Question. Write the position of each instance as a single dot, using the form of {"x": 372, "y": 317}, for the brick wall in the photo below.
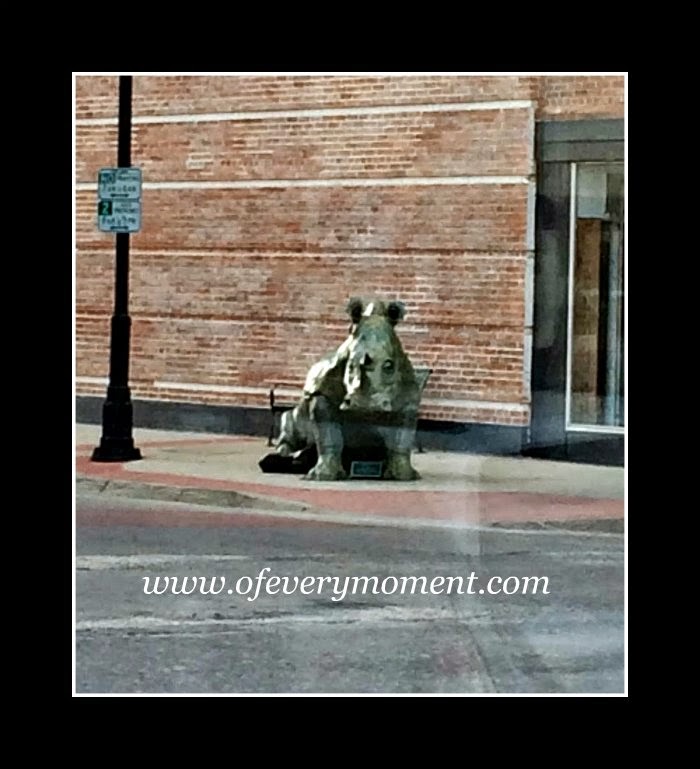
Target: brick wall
{"x": 270, "y": 200}
{"x": 572, "y": 98}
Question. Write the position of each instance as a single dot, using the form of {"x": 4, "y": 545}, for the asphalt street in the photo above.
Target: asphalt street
{"x": 570, "y": 640}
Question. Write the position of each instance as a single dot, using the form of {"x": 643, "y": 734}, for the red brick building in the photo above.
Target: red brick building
{"x": 491, "y": 206}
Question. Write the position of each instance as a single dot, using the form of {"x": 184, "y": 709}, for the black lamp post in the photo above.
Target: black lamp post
{"x": 117, "y": 443}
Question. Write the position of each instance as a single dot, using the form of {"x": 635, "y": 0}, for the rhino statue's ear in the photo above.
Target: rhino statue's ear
{"x": 395, "y": 311}
{"x": 354, "y": 309}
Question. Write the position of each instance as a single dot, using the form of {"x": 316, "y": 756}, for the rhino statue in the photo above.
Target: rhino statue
{"x": 367, "y": 387}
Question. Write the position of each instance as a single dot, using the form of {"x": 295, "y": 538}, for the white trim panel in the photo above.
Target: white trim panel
{"x": 259, "y": 184}
{"x": 529, "y": 290}
{"x": 531, "y": 135}
{"x": 570, "y": 301}
{"x": 608, "y": 429}
{"x": 241, "y": 390}
{"x": 194, "y": 387}
{"x": 398, "y": 109}
{"x": 490, "y": 256}
{"x": 512, "y": 408}
{"x": 94, "y": 380}
{"x": 531, "y": 214}
{"x": 527, "y": 364}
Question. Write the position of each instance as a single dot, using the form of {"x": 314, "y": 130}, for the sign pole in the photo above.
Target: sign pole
{"x": 117, "y": 443}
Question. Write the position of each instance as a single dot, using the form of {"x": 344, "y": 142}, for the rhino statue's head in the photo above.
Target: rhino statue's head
{"x": 378, "y": 375}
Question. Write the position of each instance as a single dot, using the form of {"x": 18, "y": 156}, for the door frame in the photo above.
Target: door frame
{"x": 558, "y": 144}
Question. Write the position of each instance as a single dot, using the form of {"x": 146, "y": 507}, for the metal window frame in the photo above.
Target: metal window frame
{"x": 558, "y": 144}
{"x": 569, "y": 426}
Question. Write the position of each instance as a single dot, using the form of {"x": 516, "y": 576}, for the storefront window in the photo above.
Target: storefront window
{"x": 595, "y": 392}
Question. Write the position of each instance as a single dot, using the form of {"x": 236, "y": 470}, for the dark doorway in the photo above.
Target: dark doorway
{"x": 578, "y": 382}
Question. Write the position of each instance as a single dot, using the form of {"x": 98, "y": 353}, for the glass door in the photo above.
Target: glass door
{"x": 595, "y": 387}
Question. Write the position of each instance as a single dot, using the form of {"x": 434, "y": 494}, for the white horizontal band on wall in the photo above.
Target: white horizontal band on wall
{"x": 95, "y": 380}
{"x": 260, "y": 184}
{"x": 108, "y": 251}
{"x": 194, "y": 387}
{"x": 240, "y": 390}
{"x": 398, "y": 109}
{"x": 514, "y": 408}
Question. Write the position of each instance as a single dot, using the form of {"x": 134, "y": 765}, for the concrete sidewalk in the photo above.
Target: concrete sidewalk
{"x": 456, "y": 490}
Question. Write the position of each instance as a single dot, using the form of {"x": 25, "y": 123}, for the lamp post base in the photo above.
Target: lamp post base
{"x": 116, "y": 443}
{"x": 116, "y": 450}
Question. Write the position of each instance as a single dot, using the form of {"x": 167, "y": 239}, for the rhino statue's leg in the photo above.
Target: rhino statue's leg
{"x": 295, "y": 430}
{"x": 399, "y": 441}
{"x": 328, "y": 436}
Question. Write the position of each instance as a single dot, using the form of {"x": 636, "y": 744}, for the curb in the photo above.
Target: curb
{"x": 596, "y": 525}
{"x": 236, "y": 500}
{"x": 190, "y": 495}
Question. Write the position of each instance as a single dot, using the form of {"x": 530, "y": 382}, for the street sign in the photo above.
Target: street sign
{"x": 119, "y": 184}
{"x": 119, "y": 204}
{"x": 119, "y": 215}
